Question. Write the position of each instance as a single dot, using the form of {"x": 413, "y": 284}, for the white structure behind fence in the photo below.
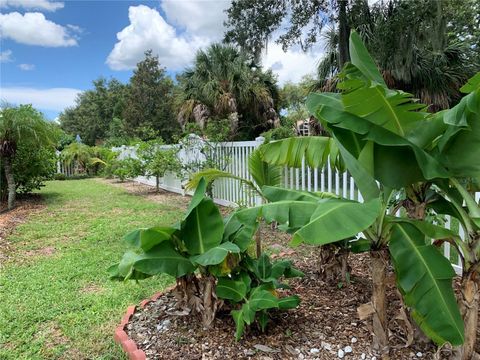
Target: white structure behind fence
{"x": 233, "y": 157}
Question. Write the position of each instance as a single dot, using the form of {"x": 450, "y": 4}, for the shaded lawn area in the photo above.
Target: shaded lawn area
{"x": 56, "y": 301}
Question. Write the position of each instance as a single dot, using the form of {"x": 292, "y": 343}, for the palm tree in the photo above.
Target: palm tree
{"x": 411, "y": 45}
{"x": 224, "y": 84}
{"x": 20, "y": 125}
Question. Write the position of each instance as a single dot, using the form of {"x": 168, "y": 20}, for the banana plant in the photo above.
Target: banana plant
{"x": 458, "y": 149}
{"x": 383, "y": 138}
{"x": 253, "y": 290}
{"x": 208, "y": 257}
{"x": 195, "y": 244}
{"x": 261, "y": 172}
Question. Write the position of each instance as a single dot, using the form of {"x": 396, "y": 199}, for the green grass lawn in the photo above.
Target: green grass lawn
{"x": 56, "y": 301}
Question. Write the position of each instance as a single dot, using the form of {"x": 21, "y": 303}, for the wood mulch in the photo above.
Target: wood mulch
{"x": 325, "y": 326}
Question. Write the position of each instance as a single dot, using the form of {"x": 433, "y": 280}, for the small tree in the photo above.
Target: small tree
{"x": 22, "y": 125}
{"x": 158, "y": 160}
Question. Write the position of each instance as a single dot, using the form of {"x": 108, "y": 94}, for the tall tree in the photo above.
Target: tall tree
{"x": 94, "y": 111}
{"x": 223, "y": 85}
{"x": 149, "y": 105}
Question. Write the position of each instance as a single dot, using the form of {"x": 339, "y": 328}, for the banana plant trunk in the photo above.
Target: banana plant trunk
{"x": 7, "y": 165}
{"x": 469, "y": 306}
{"x": 334, "y": 264}
{"x": 378, "y": 270}
{"x": 210, "y": 301}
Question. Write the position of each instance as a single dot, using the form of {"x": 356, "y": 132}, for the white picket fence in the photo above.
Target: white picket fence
{"x": 233, "y": 157}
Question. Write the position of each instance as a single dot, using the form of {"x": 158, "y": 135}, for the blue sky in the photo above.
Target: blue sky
{"x": 50, "y": 50}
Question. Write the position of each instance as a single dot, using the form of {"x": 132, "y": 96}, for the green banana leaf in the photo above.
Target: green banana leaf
{"x": 274, "y": 194}
{"x": 203, "y": 228}
{"x": 146, "y": 238}
{"x": 424, "y": 276}
{"x": 241, "y": 232}
{"x": 292, "y": 151}
{"x": 262, "y": 172}
{"x": 335, "y": 220}
{"x": 215, "y": 255}
{"x": 161, "y": 259}
{"x": 360, "y": 57}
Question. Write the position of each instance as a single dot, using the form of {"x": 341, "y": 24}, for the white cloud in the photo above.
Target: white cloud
{"x": 54, "y": 99}
{"x": 26, "y": 67}
{"x": 33, "y": 4}
{"x": 200, "y": 17}
{"x": 189, "y": 25}
{"x": 291, "y": 65}
{"x": 35, "y": 29}
{"x": 149, "y": 30}
{"x": 6, "y": 56}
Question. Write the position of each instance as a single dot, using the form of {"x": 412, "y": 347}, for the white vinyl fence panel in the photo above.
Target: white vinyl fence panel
{"x": 233, "y": 157}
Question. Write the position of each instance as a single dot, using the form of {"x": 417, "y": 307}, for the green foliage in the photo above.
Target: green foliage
{"x": 198, "y": 244}
{"x": 94, "y": 111}
{"x": 32, "y": 168}
{"x": 223, "y": 84}
{"x": 128, "y": 168}
{"x": 158, "y": 160}
{"x": 148, "y": 111}
{"x": 282, "y": 132}
{"x": 253, "y": 290}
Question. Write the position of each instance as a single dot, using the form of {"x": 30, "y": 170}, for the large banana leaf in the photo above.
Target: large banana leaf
{"x": 162, "y": 258}
{"x": 241, "y": 232}
{"x": 361, "y": 58}
{"x": 424, "y": 276}
{"x": 273, "y": 194}
{"x": 397, "y": 162}
{"x": 262, "y": 172}
{"x": 203, "y": 228}
{"x": 337, "y": 220}
{"x": 215, "y": 255}
{"x": 292, "y": 151}
{"x": 146, "y": 238}
{"x": 324, "y": 222}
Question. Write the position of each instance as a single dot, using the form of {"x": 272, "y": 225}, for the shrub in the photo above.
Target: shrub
{"x": 201, "y": 244}
{"x": 59, "y": 176}
{"x": 128, "y": 168}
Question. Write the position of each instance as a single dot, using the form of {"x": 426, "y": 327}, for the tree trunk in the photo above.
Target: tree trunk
{"x": 210, "y": 302}
{"x": 378, "y": 270}
{"x": 334, "y": 264}
{"x": 12, "y": 191}
{"x": 343, "y": 35}
{"x": 469, "y": 305}
{"x": 157, "y": 183}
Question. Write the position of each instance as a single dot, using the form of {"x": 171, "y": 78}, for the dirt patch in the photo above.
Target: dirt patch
{"x": 47, "y": 251}
{"x": 91, "y": 289}
{"x": 149, "y": 192}
{"x": 26, "y": 205}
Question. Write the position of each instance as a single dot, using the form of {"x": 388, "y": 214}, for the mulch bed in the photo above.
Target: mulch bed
{"x": 324, "y": 326}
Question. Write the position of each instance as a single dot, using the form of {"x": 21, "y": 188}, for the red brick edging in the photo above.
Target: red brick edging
{"x": 121, "y": 337}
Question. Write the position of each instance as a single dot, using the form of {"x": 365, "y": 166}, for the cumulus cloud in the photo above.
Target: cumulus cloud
{"x": 45, "y": 5}
{"x": 6, "y": 56}
{"x": 291, "y": 65}
{"x": 26, "y": 67}
{"x": 189, "y": 25}
{"x": 149, "y": 30}
{"x": 35, "y": 29}
{"x": 54, "y": 99}
{"x": 200, "y": 17}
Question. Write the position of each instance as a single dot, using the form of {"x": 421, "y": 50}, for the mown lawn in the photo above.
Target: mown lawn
{"x": 56, "y": 301}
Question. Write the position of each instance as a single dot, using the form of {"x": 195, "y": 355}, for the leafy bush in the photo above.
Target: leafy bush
{"x": 202, "y": 244}
{"x": 279, "y": 133}
{"x": 32, "y": 168}
{"x": 157, "y": 160}
{"x": 59, "y": 176}
{"x": 128, "y": 168}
